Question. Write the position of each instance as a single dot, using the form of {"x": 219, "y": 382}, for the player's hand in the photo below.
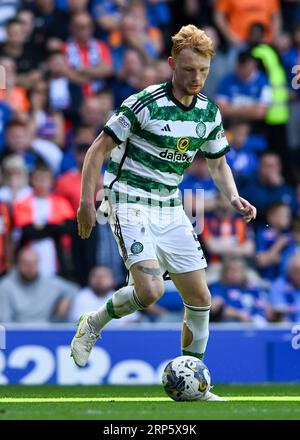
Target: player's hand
{"x": 242, "y": 206}
{"x": 86, "y": 219}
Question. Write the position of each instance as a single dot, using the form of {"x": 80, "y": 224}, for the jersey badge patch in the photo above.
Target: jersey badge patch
{"x": 123, "y": 121}
{"x": 137, "y": 247}
{"x": 183, "y": 144}
{"x": 201, "y": 129}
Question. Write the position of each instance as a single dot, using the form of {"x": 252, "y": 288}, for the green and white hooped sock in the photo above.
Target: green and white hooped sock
{"x": 197, "y": 321}
{"x": 123, "y": 302}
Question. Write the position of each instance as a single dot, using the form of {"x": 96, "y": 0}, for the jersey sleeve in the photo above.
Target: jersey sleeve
{"x": 126, "y": 120}
{"x": 216, "y": 144}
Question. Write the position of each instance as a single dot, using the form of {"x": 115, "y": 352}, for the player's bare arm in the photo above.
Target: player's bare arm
{"x": 223, "y": 178}
{"x": 86, "y": 214}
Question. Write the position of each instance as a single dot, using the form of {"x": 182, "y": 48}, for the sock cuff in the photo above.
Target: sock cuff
{"x": 190, "y": 353}
{"x": 110, "y": 310}
{"x": 197, "y": 309}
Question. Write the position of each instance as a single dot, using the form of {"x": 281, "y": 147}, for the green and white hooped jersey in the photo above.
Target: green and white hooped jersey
{"x": 157, "y": 138}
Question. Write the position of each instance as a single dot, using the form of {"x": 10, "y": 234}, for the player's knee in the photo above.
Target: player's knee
{"x": 206, "y": 297}
{"x": 201, "y": 298}
{"x": 151, "y": 293}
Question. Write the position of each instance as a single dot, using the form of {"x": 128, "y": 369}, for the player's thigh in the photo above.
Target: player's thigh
{"x": 148, "y": 281}
{"x": 134, "y": 241}
{"x": 193, "y": 287}
{"x": 135, "y": 244}
{"x": 182, "y": 256}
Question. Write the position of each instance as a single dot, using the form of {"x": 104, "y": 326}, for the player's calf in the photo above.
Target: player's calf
{"x": 195, "y": 330}
{"x": 123, "y": 302}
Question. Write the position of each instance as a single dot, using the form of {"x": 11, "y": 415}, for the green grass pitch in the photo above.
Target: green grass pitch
{"x": 146, "y": 402}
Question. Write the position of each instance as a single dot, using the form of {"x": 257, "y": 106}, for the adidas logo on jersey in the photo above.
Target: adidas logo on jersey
{"x": 166, "y": 128}
{"x": 174, "y": 156}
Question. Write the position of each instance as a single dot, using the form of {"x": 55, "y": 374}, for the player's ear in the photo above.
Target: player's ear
{"x": 171, "y": 62}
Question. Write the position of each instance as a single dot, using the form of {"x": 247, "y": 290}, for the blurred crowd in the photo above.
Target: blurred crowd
{"x": 65, "y": 65}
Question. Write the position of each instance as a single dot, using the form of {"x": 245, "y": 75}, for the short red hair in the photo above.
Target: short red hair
{"x": 193, "y": 38}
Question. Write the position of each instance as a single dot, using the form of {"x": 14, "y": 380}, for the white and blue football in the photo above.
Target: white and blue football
{"x": 186, "y": 378}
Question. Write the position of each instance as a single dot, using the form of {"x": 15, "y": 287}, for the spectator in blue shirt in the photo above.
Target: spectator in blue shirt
{"x": 158, "y": 12}
{"x": 72, "y": 6}
{"x": 196, "y": 178}
{"x": 292, "y": 248}
{"x": 298, "y": 199}
{"x": 246, "y": 93}
{"x": 234, "y": 298}
{"x": 108, "y": 13}
{"x": 134, "y": 33}
{"x": 290, "y": 61}
{"x": 20, "y": 140}
{"x": 271, "y": 240}
{"x": 220, "y": 64}
{"x": 291, "y": 57}
{"x": 127, "y": 81}
{"x": 285, "y": 293}
{"x": 6, "y": 115}
{"x": 80, "y": 134}
{"x": 269, "y": 187}
{"x": 8, "y": 10}
{"x": 240, "y": 158}
{"x": 50, "y": 22}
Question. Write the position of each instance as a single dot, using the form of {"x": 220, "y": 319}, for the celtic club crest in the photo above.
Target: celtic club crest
{"x": 137, "y": 247}
{"x": 201, "y": 129}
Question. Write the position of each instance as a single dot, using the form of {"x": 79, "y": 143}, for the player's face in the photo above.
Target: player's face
{"x": 190, "y": 71}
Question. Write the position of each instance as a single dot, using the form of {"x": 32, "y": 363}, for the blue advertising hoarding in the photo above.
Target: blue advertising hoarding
{"x": 41, "y": 355}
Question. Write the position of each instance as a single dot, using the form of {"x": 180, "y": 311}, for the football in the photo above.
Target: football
{"x": 186, "y": 378}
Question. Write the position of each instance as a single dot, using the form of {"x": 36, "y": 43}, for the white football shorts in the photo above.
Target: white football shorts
{"x": 164, "y": 234}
